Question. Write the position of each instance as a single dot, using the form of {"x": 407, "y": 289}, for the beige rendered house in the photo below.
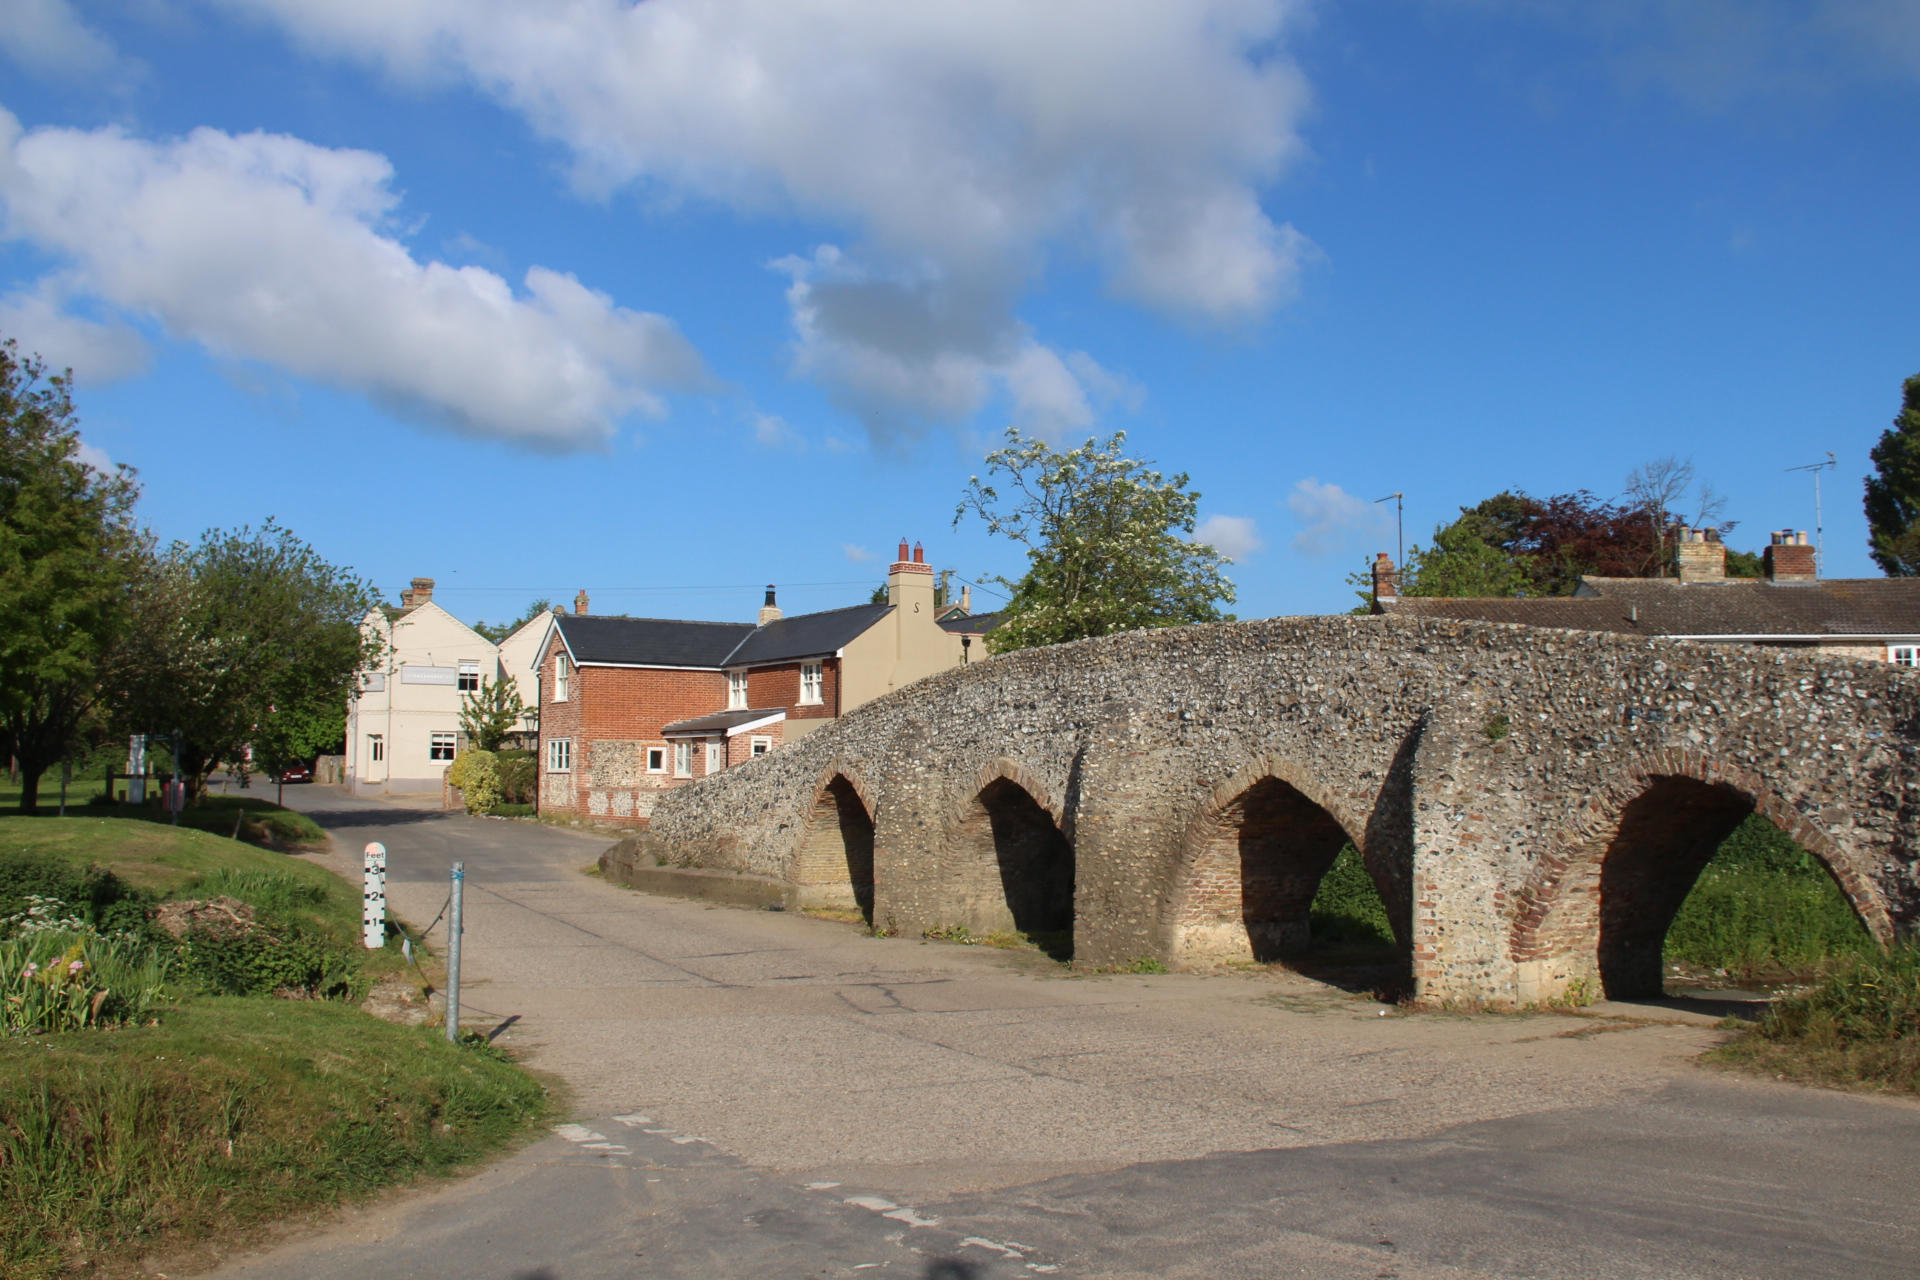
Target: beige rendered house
{"x": 403, "y": 725}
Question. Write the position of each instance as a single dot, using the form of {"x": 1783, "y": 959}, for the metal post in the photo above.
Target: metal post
{"x": 1399, "y": 526}
{"x": 453, "y": 952}
{"x": 373, "y": 909}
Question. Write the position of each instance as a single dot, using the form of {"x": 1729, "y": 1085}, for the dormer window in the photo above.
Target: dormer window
{"x": 736, "y": 691}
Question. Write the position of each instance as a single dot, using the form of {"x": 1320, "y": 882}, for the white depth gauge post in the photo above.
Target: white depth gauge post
{"x": 373, "y": 918}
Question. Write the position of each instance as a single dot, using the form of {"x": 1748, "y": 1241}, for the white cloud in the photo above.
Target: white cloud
{"x": 263, "y": 247}
{"x": 859, "y": 555}
{"x": 92, "y": 455}
{"x": 772, "y": 432}
{"x": 900, "y": 353}
{"x": 1235, "y": 537}
{"x": 48, "y": 37}
{"x": 1333, "y": 518}
{"x": 960, "y": 141}
{"x": 96, "y": 351}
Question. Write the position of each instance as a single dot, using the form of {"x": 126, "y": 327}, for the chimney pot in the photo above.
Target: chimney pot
{"x": 919, "y": 556}
{"x": 580, "y": 603}
{"x": 770, "y": 612}
{"x": 903, "y": 551}
{"x": 966, "y": 600}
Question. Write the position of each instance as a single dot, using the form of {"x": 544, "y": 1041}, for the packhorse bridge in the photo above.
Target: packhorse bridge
{"x": 1533, "y": 806}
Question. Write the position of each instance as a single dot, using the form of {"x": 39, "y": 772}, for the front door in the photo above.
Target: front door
{"x": 716, "y": 755}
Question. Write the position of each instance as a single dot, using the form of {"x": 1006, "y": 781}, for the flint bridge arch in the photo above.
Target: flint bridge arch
{"x": 1532, "y": 805}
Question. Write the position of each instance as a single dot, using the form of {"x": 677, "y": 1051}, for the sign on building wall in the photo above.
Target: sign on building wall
{"x": 430, "y": 675}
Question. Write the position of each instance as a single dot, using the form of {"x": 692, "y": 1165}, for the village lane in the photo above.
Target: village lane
{"x": 767, "y": 1094}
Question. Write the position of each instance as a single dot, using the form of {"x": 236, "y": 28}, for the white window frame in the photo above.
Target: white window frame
{"x": 559, "y": 755}
{"x": 759, "y": 745}
{"x": 562, "y": 677}
{"x": 736, "y": 690}
{"x": 813, "y": 683}
{"x": 656, "y": 759}
{"x": 376, "y": 748}
{"x": 1904, "y": 655}
{"x": 716, "y": 755}
{"x": 438, "y": 741}
{"x": 683, "y": 759}
{"x": 469, "y": 677}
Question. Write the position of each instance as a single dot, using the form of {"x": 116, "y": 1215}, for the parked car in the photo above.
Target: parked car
{"x": 298, "y": 773}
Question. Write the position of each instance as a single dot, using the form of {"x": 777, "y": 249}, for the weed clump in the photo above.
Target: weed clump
{"x": 1858, "y": 1024}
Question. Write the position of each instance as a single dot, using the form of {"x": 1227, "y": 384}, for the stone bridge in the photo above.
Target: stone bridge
{"x": 1532, "y": 805}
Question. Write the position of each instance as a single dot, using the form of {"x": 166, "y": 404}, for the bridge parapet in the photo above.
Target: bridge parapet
{"x": 1529, "y": 802}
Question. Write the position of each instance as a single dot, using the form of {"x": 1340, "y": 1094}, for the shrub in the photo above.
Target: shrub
{"x": 258, "y": 963}
{"x": 518, "y": 776}
{"x": 1858, "y": 1024}
{"x": 477, "y": 775}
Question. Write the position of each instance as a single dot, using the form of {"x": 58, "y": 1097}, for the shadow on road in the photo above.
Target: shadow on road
{"x": 374, "y": 817}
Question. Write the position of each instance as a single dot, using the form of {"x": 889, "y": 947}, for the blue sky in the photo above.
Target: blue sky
{"x": 668, "y": 301}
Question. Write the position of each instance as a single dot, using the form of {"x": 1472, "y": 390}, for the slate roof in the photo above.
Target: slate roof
{"x": 719, "y": 721}
{"x": 650, "y": 642}
{"x": 1835, "y": 607}
{"x": 976, "y": 624}
{"x": 808, "y": 635}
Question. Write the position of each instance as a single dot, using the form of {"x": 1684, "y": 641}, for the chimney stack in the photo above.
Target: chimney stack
{"x": 966, "y": 599}
{"x": 421, "y": 592}
{"x": 770, "y": 612}
{"x": 1702, "y": 557}
{"x": 910, "y": 582}
{"x": 580, "y": 604}
{"x": 1790, "y": 558}
{"x": 1386, "y": 580}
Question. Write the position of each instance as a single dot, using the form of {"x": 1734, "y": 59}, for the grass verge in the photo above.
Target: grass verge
{"x": 1857, "y": 1026}
{"x": 230, "y": 1113}
{"x": 213, "y": 1107}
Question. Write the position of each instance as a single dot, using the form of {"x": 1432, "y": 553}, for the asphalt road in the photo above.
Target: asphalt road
{"x": 763, "y": 1095}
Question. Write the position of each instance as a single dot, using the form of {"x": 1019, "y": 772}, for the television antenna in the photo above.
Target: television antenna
{"x": 1819, "y": 531}
{"x": 1399, "y": 524}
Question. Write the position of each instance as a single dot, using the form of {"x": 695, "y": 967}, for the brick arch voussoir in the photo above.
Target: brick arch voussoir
{"x": 838, "y": 769}
{"x": 963, "y": 805}
{"x": 1580, "y": 842}
{"x": 1204, "y": 825}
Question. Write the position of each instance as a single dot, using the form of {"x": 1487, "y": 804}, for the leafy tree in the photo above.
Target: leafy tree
{"x": 68, "y": 550}
{"x": 294, "y": 734}
{"x": 226, "y": 631}
{"x": 1893, "y": 490}
{"x": 882, "y": 594}
{"x": 498, "y": 631}
{"x": 1103, "y": 539}
{"x": 492, "y": 712}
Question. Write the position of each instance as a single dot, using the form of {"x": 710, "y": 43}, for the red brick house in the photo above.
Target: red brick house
{"x": 631, "y": 706}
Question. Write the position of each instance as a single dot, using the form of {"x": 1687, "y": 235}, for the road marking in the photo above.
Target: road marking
{"x": 683, "y": 1141}
{"x": 874, "y": 1203}
{"x": 821, "y": 1186}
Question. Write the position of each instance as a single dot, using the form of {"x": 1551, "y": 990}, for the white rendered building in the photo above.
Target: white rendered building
{"x": 403, "y": 726}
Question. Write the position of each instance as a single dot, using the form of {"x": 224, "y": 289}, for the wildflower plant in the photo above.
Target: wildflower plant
{"x": 70, "y": 981}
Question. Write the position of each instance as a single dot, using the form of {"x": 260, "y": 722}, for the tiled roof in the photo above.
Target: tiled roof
{"x": 808, "y": 635}
{"x": 975, "y": 624}
{"x": 651, "y": 642}
{"x": 719, "y": 721}
{"x": 1835, "y": 607}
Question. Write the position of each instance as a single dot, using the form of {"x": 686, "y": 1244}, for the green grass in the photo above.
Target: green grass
{"x": 230, "y": 1113}
{"x": 228, "y": 1110}
{"x": 1347, "y": 913}
{"x": 1764, "y": 907}
{"x": 161, "y": 859}
{"x": 1858, "y": 1025}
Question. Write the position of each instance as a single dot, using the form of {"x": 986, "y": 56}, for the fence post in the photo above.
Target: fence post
{"x": 373, "y": 910}
{"x": 453, "y": 952}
